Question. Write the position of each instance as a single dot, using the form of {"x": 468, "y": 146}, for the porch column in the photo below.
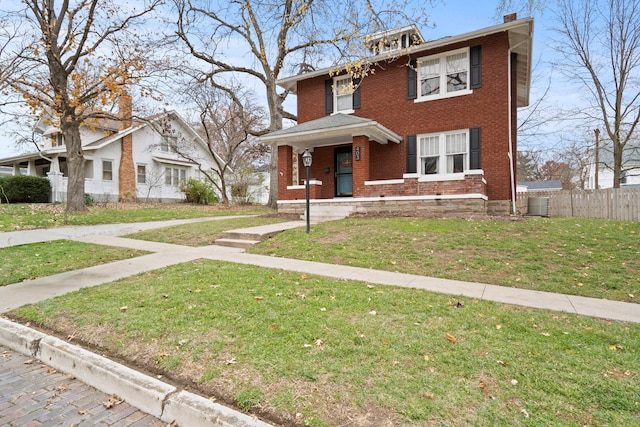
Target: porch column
{"x": 31, "y": 168}
{"x": 285, "y": 170}
{"x": 361, "y": 154}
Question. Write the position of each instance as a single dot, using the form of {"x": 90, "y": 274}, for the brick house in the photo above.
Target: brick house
{"x": 433, "y": 128}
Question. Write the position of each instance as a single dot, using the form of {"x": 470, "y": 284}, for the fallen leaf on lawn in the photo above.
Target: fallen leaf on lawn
{"x": 451, "y": 338}
{"x": 307, "y": 345}
{"x": 373, "y": 312}
{"x": 258, "y": 299}
{"x": 503, "y": 363}
{"x": 231, "y": 361}
{"x": 514, "y": 382}
{"x": 319, "y": 342}
{"x": 323, "y": 309}
{"x": 524, "y": 411}
{"x": 124, "y": 308}
{"x": 426, "y": 357}
{"x": 498, "y": 326}
{"x": 303, "y": 276}
{"x": 546, "y": 334}
{"x": 370, "y": 286}
{"x": 393, "y": 263}
{"x": 197, "y": 291}
{"x": 212, "y": 398}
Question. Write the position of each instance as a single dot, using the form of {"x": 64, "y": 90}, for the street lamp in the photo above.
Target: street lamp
{"x": 306, "y": 161}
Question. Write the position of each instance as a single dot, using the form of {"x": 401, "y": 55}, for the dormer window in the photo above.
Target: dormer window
{"x": 57, "y": 140}
{"x": 168, "y": 144}
{"x": 392, "y": 40}
{"x": 343, "y": 94}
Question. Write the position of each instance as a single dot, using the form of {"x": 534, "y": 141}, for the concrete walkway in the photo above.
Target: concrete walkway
{"x": 166, "y": 402}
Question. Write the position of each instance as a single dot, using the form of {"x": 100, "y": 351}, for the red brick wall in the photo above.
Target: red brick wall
{"x": 383, "y": 97}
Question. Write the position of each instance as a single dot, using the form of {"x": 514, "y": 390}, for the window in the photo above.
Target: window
{"x": 107, "y": 170}
{"x": 168, "y": 144}
{"x": 343, "y": 94}
{"x": 57, "y": 140}
{"x": 443, "y": 75}
{"x": 443, "y": 153}
{"x": 141, "y": 174}
{"x": 174, "y": 176}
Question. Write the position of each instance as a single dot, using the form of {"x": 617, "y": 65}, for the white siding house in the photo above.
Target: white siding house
{"x": 153, "y": 173}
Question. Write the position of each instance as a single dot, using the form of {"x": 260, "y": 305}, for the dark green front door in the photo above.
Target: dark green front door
{"x": 344, "y": 172}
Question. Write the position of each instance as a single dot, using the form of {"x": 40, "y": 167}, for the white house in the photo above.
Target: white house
{"x": 124, "y": 160}
{"x": 630, "y": 176}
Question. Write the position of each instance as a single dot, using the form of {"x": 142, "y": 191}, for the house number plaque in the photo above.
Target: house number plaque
{"x": 357, "y": 153}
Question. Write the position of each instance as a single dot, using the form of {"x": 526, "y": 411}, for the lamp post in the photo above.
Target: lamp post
{"x": 306, "y": 161}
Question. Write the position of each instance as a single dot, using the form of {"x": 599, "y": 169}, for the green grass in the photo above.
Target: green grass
{"x": 201, "y": 233}
{"x": 336, "y": 352}
{"x": 594, "y": 258}
{"x": 26, "y": 262}
{"x": 25, "y": 216}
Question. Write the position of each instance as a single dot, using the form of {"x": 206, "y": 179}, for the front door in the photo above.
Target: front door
{"x": 344, "y": 172}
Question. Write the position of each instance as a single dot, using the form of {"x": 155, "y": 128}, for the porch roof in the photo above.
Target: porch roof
{"x": 331, "y": 130}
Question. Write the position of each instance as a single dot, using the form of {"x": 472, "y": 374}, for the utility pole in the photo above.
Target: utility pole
{"x": 597, "y": 132}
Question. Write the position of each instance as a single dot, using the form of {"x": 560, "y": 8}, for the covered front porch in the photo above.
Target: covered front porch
{"x": 351, "y": 167}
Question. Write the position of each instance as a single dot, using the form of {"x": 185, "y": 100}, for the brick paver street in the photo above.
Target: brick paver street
{"x": 32, "y": 394}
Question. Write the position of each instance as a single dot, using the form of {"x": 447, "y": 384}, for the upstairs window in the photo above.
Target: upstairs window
{"x": 443, "y": 75}
{"x": 168, "y": 144}
{"x": 342, "y": 95}
{"x": 141, "y": 173}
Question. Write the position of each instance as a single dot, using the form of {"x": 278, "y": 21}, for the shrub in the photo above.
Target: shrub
{"x": 198, "y": 192}
{"x": 25, "y": 189}
{"x": 88, "y": 199}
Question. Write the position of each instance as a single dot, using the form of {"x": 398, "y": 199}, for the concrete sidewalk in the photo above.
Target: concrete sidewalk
{"x": 168, "y": 403}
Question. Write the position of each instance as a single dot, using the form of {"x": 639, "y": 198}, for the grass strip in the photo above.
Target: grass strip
{"x": 35, "y": 260}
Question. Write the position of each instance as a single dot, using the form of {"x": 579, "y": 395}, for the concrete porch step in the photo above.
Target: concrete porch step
{"x": 236, "y": 243}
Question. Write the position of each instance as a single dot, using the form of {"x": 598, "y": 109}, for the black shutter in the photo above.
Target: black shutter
{"x": 328, "y": 96}
{"x": 356, "y": 94}
{"x": 474, "y": 148}
{"x": 475, "y": 59}
{"x": 412, "y": 80}
{"x": 412, "y": 154}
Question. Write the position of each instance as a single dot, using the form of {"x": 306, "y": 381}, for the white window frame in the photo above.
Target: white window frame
{"x": 143, "y": 175}
{"x": 348, "y": 94}
{"x": 168, "y": 143}
{"x": 174, "y": 176}
{"x": 441, "y": 59}
{"x": 445, "y": 162}
{"x": 104, "y": 170}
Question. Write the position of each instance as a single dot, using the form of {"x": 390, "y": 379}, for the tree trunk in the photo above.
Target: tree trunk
{"x": 75, "y": 166}
{"x": 274, "y": 102}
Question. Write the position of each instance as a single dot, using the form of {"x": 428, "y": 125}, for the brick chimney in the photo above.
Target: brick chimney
{"x": 510, "y": 17}
{"x": 126, "y": 171}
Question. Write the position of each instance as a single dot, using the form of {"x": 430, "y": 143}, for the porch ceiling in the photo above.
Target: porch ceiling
{"x": 331, "y": 130}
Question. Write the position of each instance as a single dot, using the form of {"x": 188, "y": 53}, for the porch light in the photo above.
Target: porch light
{"x": 306, "y": 161}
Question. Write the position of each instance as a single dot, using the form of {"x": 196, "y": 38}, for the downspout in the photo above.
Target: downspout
{"x": 510, "y": 154}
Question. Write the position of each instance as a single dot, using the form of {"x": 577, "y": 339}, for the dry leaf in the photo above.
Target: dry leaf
{"x": 258, "y": 299}
{"x": 83, "y": 412}
{"x": 124, "y": 308}
{"x": 51, "y": 371}
{"x": 319, "y": 342}
{"x": 370, "y": 286}
{"x": 498, "y": 326}
{"x": 113, "y": 401}
{"x": 303, "y": 276}
{"x": 451, "y": 338}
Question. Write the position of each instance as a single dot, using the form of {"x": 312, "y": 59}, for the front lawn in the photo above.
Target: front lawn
{"x": 577, "y": 256}
{"x": 305, "y": 350}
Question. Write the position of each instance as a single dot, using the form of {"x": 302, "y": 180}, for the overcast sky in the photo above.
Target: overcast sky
{"x": 452, "y": 18}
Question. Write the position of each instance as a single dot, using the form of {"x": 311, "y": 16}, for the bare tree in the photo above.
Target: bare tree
{"x": 73, "y": 59}
{"x": 225, "y": 123}
{"x": 600, "y": 47}
{"x": 270, "y": 38}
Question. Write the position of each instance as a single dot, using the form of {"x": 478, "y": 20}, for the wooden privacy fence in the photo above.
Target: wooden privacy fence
{"x": 611, "y": 203}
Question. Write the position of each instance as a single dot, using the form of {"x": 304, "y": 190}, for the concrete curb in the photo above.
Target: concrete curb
{"x": 148, "y": 394}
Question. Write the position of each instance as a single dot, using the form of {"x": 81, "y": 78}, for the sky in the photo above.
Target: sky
{"x": 451, "y": 18}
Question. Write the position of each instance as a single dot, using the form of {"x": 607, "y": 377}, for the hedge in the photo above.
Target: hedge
{"x": 24, "y": 189}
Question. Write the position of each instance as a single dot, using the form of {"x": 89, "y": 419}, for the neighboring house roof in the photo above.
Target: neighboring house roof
{"x": 102, "y": 142}
{"x": 542, "y": 185}
{"x": 330, "y": 130}
{"x": 520, "y": 42}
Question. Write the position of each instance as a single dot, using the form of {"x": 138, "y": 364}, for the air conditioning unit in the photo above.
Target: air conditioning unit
{"x": 538, "y": 206}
